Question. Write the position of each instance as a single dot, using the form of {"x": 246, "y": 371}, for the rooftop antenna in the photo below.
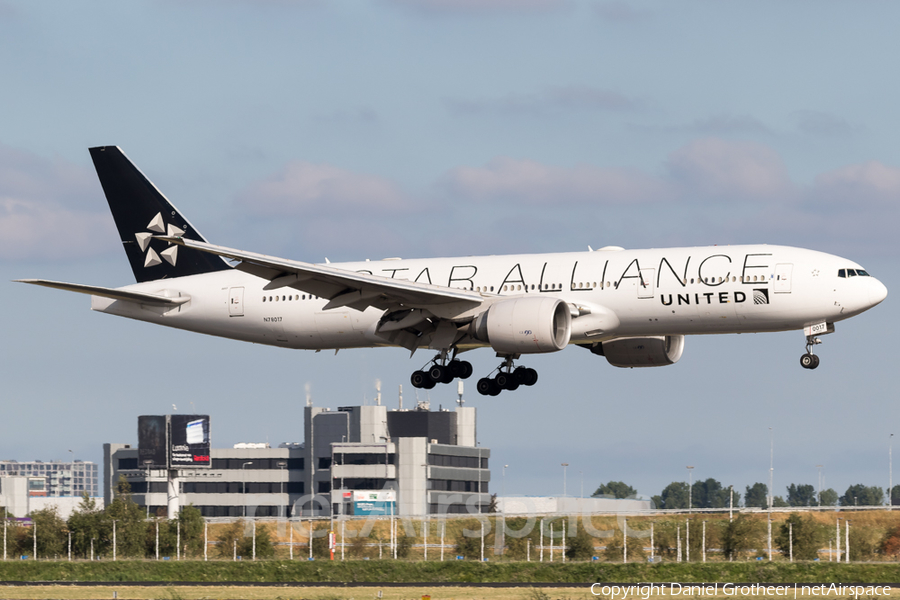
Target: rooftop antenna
{"x": 307, "y": 388}
{"x": 459, "y": 393}
{"x": 401, "y": 396}
{"x": 378, "y": 395}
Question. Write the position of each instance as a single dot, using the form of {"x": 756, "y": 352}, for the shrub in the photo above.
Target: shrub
{"x": 808, "y": 537}
{"x": 742, "y": 535}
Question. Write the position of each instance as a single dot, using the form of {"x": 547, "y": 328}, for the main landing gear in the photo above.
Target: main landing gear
{"x": 810, "y": 360}
{"x": 441, "y": 371}
{"x": 507, "y": 378}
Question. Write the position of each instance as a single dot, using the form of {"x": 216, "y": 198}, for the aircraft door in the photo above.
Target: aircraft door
{"x": 782, "y": 283}
{"x": 646, "y": 285}
{"x": 236, "y": 302}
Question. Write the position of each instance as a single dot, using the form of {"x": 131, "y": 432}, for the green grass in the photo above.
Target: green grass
{"x": 451, "y": 571}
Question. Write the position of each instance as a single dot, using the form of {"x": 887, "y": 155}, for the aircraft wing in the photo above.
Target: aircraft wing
{"x": 115, "y": 294}
{"x": 341, "y": 287}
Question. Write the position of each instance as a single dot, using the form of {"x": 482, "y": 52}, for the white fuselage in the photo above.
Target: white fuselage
{"x": 703, "y": 290}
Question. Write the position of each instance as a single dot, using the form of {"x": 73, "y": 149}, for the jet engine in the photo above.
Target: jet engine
{"x": 656, "y": 351}
{"x": 524, "y": 325}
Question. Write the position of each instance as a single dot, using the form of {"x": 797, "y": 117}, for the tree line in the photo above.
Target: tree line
{"x": 711, "y": 494}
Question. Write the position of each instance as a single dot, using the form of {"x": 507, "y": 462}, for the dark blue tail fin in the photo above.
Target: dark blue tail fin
{"x": 141, "y": 212}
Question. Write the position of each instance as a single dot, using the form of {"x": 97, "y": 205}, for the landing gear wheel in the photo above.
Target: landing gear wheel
{"x": 460, "y": 368}
{"x": 484, "y": 386}
{"x": 465, "y": 369}
{"x": 525, "y": 376}
{"x": 809, "y": 361}
{"x": 506, "y": 381}
{"x": 418, "y": 379}
{"x": 455, "y": 367}
{"x": 438, "y": 373}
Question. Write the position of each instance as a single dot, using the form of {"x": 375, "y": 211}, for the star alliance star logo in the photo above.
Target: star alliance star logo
{"x": 170, "y": 254}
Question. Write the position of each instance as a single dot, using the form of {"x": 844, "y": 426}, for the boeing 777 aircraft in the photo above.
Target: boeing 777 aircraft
{"x": 633, "y": 307}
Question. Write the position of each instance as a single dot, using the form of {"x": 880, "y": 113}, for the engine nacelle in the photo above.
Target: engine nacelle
{"x": 656, "y": 351}
{"x": 524, "y": 325}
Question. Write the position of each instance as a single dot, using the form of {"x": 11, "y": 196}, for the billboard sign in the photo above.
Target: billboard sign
{"x": 188, "y": 441}
{"x": 374, "y": 503}
{"x": 152, "y": 441}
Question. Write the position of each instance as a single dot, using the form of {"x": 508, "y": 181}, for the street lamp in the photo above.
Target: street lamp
{"x": 244, "y": 483}
{"x": 281, "y": 465}
{"x": 890, "y": 498}
{"x": 503, "y": 482}
{"x": 690, "y": 469}
{"x": 564, "y": 465}
{"x": 820, "y": 467}
{"x": 771, "y": 467}
{"x": 147, "y": 464}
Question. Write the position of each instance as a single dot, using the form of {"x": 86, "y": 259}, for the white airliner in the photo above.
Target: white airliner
{"x": 633, "y": 307}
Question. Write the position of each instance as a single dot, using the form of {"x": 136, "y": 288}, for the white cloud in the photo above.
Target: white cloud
{"x": 50, "y": 209}
{"x": 736, "y": 191}
{"x": 307, "y": 189}
{"x": 32, "y": 230}
{"x": 706, "y": 169}
{"x": 716, "y": 168}
{"x": 728, "y": 124}
{"x": 534, "y": 182}
{"x": 823, "y": 124}
{"x": 872, "y": 181}
{"x": 550, "y": 99}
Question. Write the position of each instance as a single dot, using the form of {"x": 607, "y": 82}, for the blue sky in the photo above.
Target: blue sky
{"x": 354, "y": 130}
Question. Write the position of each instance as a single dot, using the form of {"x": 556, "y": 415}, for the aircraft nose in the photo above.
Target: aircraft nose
{"x": 877, "y": 292}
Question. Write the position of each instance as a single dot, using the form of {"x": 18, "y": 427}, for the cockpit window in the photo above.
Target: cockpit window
{"x": 852, "y": 273}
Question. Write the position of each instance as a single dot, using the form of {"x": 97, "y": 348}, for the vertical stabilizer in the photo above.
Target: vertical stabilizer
{"x": 141, "y": 212}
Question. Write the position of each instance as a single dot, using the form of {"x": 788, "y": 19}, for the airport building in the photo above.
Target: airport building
{"x": 356, "y": 460}
{"x": 56, "y": 478}
{"x": 36, "y": 485}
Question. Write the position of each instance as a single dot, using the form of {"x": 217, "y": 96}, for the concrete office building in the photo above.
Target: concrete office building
{"x": 354, "y": 460}
{"x": 60, "y": 478}
{"x": 21, "y": 496}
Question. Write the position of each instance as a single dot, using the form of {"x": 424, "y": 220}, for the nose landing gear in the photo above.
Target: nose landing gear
{"x": 507, "y": 378}
{"x": 810, "y": 360}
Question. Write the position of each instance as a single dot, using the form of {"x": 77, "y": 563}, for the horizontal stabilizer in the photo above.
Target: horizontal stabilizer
{"x": 93, "y": 290}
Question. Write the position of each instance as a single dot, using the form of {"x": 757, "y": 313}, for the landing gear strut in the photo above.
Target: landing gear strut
{"x": 441, "y": 370}
{"x": 507, "y": 378}
{"x": 810, "y": 360}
